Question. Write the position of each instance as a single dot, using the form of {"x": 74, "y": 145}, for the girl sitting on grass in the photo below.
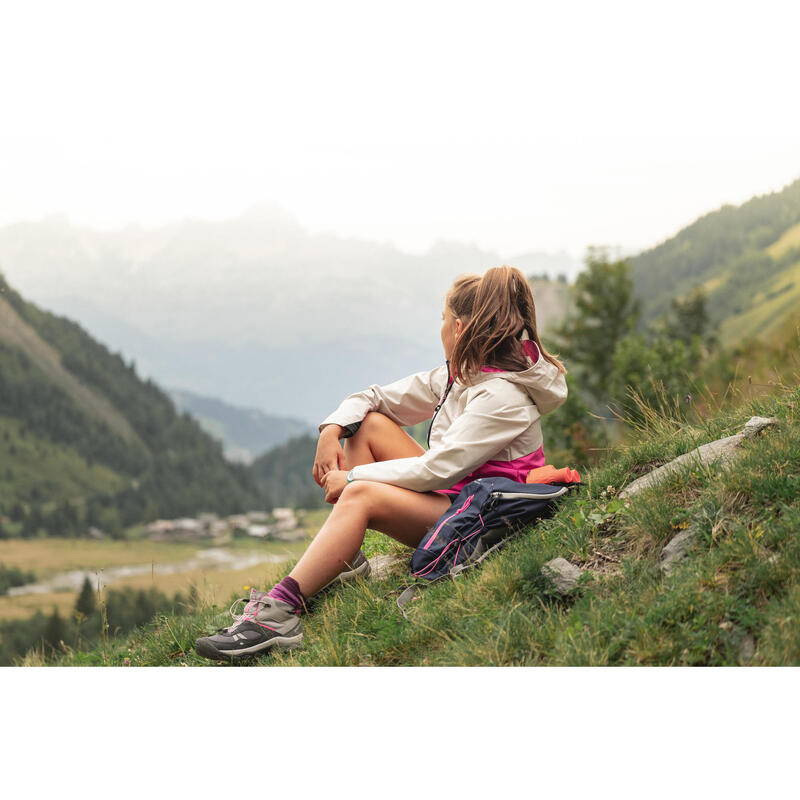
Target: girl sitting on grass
{"x": 485, "y": 401}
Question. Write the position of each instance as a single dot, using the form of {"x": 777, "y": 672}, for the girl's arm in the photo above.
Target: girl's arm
{"x": 406, "y": 402}
{"x": 485, "y": 427}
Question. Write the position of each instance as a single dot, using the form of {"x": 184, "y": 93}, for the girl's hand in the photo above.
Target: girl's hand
{"x": 334, "y": 483}
{"x": 329, "y": 453}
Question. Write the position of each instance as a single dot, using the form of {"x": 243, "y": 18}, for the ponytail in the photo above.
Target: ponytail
{"x": 495, "y": 309}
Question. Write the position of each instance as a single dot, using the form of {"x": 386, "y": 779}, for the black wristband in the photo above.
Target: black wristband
{"x": 349, "y": 430}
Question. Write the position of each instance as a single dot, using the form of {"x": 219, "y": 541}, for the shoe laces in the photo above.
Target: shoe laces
{"x": 250, "y": 610}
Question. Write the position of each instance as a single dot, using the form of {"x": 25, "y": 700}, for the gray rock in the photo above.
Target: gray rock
{"x": 677, "y": 548}
{"x": 755, "y": 425}
{"x": 747, "y": 649}
{"x": 380, "y": 567}
{"x": 720, "y": 451}
{"x": 563, "y": 574}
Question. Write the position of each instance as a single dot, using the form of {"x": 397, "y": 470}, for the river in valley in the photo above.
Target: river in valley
{"x": 209, "y": 559}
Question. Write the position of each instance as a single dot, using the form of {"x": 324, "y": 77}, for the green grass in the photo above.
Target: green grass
{"x": 789, "y": 240}
{"x": 734, "y": 600}
{"x": 770, "y": 307}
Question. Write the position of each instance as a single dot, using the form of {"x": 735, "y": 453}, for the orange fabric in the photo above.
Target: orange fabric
{"x": 550, "y": 474}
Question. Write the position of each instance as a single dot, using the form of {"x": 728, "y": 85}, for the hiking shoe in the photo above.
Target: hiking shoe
{"x": 357, "y": 568}
{"x": 266, "y": 623}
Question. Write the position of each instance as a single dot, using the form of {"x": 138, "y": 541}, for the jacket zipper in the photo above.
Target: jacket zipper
{"x": 441, "y": 403}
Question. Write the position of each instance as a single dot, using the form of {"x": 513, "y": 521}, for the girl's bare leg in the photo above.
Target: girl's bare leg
{"x": 402, "y": 514}
{"x": 379, "y": 439}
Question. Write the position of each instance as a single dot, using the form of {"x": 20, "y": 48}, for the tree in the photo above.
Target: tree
{"x": 32, "y": 523}
{"x": 85, "y": 604}
{"x": 605, "y": 311}
{"x": 689, "y": 317}
{"x": 55, "y": 630}
{"x": 573, "y": 435}
{"x": 660, "y": 369}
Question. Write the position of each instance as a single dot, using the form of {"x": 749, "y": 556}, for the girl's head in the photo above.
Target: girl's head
{"x": 483, "y": 319}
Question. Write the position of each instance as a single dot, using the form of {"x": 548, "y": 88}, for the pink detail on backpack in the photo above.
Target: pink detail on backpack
{"x": 436, "y": 532}
{"x": 517, "y": 470}
{"x": 436, "y": 560}
{"x": 433, "y": 564}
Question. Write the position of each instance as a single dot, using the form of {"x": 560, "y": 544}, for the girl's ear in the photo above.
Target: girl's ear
{"x": 459, "y": 326}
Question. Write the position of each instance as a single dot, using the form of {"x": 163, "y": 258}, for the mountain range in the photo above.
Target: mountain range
{"x": 244, "y": 432}
{"x": 254, "y": 310}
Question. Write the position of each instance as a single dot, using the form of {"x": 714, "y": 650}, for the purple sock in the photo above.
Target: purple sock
{"x": 288, "y": 591}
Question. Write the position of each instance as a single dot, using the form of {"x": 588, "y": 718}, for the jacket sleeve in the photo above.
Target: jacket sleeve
{"x": 481, "y": 431}
{"x": 406, "y": 402}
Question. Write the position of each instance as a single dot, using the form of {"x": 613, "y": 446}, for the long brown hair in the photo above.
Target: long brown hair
{"x": 494, "y": 308}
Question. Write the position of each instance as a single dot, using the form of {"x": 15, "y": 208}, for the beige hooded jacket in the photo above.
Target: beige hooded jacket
{"x": 489, "y": 428}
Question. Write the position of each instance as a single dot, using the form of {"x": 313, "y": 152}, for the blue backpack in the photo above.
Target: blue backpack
{"x": 484, "y": 514}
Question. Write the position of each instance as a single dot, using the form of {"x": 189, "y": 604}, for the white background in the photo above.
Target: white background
{"x": 516, "y": 126}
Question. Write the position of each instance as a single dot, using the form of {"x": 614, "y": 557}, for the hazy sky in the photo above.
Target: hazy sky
{"x": 513, "y": 125}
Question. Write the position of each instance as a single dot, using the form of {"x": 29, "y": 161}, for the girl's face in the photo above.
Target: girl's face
{"x": 451, "y": 330}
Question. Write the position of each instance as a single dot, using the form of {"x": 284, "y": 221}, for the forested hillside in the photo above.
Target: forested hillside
{"x": 283, "y": 474}
{"x": 84, "y": 441}
{"x": 244, "y": 432}
{"x": 746, "y": 258}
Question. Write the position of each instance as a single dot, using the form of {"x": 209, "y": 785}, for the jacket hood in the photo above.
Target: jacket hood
{"x": 545, "y": 385}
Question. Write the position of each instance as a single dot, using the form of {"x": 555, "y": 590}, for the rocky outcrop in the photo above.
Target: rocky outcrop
{"x": 720, "y": 451}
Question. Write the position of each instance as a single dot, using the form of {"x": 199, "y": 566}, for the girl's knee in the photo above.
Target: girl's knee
{"x": 354, "y": 492}
{"x": 359, "y": 493}
{"x": 374, "y": 419}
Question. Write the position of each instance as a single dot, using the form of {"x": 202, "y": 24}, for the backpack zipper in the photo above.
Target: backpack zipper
{"x": 513, "y": 495}
{"x": 441, "y": 403}
{"x": 495, "y": 497}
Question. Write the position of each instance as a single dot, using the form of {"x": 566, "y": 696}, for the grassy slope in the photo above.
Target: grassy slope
{"x": 789, "y": 240}
{"x": 771, "y": 305}
{"x": 747, "y": 258}
{"x": 736, "y": 600}
{"x": 755, "y": 366}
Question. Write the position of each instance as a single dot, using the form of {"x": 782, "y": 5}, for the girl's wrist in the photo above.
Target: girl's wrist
{"x": 332, "y": 429}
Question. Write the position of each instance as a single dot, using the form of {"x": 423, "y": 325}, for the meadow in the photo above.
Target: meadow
{"x": 46, "y": 557}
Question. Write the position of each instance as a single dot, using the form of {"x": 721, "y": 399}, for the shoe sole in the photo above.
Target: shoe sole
{"x": 206, "y": 649}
